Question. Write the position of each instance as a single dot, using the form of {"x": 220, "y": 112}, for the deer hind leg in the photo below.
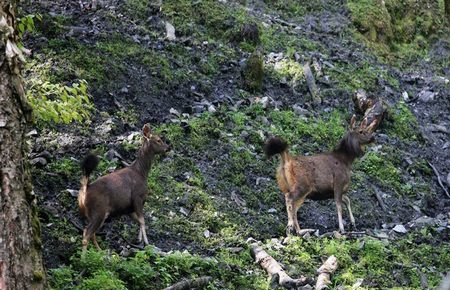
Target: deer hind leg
{"x": 135, "y": 217}
{"x": 293, "y": 203}
{"x": 338, "y": 200}
{"x": 142, "y": 226}
{"x": 297, "y": 204}
{"x": 89, "y": 232}
{"x": 139, "y": 206}
{"x": 94, "y": 240}
{"x": 290, "y": 208}
{"x": 346, "y": 200}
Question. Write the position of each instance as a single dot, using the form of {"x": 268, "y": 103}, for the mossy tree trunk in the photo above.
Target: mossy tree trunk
{"x": 20, "y": 241}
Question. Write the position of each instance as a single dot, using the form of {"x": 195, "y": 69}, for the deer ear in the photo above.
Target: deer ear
{"x": 146, "y": 131}
{"x": 363, "y": 124}
{"x": 353, "y": 122}
{"x": 372, "y": 125}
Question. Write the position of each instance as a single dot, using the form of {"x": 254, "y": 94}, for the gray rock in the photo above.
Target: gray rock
{"x": 400, "y": 229}
{"x": 423, "y": 221}
{"x": 39, "y": 161}
{"x": 426, "y": 96}
{"x": 73, "y": 192}
{"x": 272, "y": 210}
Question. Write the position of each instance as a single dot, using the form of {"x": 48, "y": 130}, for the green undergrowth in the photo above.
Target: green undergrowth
{"x": 404, "y": 124}
{"x": 401, "y": 32}
{"x": 372, "y": 260}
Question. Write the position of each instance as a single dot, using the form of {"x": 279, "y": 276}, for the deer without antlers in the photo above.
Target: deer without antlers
{"x": 321, "y": 176}
{"x": 121, "y": 192}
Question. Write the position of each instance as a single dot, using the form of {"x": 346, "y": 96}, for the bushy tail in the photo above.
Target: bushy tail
{"x": 87, "y": 166}
{"x": 275, "y": 145}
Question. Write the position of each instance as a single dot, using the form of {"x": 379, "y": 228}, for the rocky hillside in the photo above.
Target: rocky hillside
{"x": 216, "y": 78}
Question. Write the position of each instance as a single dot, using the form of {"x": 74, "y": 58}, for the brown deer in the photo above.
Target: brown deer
{"x": 121, "y": 192}
{"x": 319, "y": 177}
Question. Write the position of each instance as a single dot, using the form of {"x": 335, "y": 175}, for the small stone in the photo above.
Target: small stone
{"x": 32, "y": 133}
{"x": 211, "y": 109}
{"x": 73, "y": 192}
{"x": 426, "y": 96}
{"x": 400, "y": 229}
{"x": 174, "y": 112}
{"x": 124, "y": 90}
{"x": 424, "y": 221}
{"x": 39, "y": 161}
{"x": 170, "y": 32}
{"x": 206, "y": 234}
{"x": 184, "y": 211}
{"x": 272, "y": 210}
{"x": 405, "y": 96}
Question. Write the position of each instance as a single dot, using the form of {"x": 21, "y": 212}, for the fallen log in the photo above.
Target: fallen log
{"x": 191, "y": 283}
{"x": 274, "y": 269}
{"x": 325, "y": 271}
{"x": 373, "y": 108}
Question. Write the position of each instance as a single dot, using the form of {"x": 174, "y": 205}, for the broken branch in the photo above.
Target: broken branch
{"x": 325, "y": 272}
{"x": 274, "y": 269}
{"x": 191, "y": 283}
{"x": 311, "y": 82}
{"x": 439, "y": 179}
{"x": 380, "y": 200}
{"x": 373, "y": 108}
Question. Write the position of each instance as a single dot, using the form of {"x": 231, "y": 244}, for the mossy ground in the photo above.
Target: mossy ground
{"x": 216, "y": 188}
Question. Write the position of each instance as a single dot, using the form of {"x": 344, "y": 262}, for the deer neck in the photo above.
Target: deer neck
{"x": 143, "y": 162}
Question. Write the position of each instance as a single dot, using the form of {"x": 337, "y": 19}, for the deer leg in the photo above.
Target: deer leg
{"x": 94, "y": 239}
{"x": 297, "y": 204}
{"x": 338, "y": 200}
{"x": 142, "y": 225}
{"x": 346, "y": 200}
{"x": 135, "y": 217}
{"x": 89, "y": 232}
{"x": 291, "y": 214}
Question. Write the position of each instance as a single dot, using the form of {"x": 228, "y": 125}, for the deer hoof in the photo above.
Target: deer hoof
{"x": 289, "y": 230}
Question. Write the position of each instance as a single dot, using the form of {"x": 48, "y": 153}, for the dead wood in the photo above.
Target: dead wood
{"x": 325, "y": 272}
{"x": 274, "y": 269}
{"x": 380, "y": 200}
{"x": 311, "y": 82}
{"x": 373, "y": 108}
{"x": 439, "y": 179}
{"x": 191, "y": 283}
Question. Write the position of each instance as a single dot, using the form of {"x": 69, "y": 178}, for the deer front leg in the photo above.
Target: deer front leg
{"x": 338, "y": 200}
{"x": 346, "y": 200}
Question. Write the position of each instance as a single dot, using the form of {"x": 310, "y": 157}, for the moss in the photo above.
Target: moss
{"x": 399, "y": 31}
{"x": 295, "y": 9}
{"x": 38, "y": 275}
{"x": 404, "y": 124}
{"x": 253, "y": 72}
{"x": 372, "y": 18}
{"x": 381, "y": 169}
{"x": 206, "y": 20}
{"x": 36, "y": 227}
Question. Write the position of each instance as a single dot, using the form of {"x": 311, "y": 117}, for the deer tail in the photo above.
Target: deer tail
{"x": 87, "y": 166}
{"x": 276, "y": 145}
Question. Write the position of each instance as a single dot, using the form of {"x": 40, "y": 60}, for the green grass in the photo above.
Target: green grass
{"x": 369, "y": 259}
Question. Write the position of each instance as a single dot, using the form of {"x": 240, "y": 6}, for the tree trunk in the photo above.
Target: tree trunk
{"x": 20, "y": 235}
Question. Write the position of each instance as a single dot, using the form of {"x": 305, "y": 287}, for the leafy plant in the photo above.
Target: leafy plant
{"x": 26, "y": 23}
{"x": 59, "y": 103}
